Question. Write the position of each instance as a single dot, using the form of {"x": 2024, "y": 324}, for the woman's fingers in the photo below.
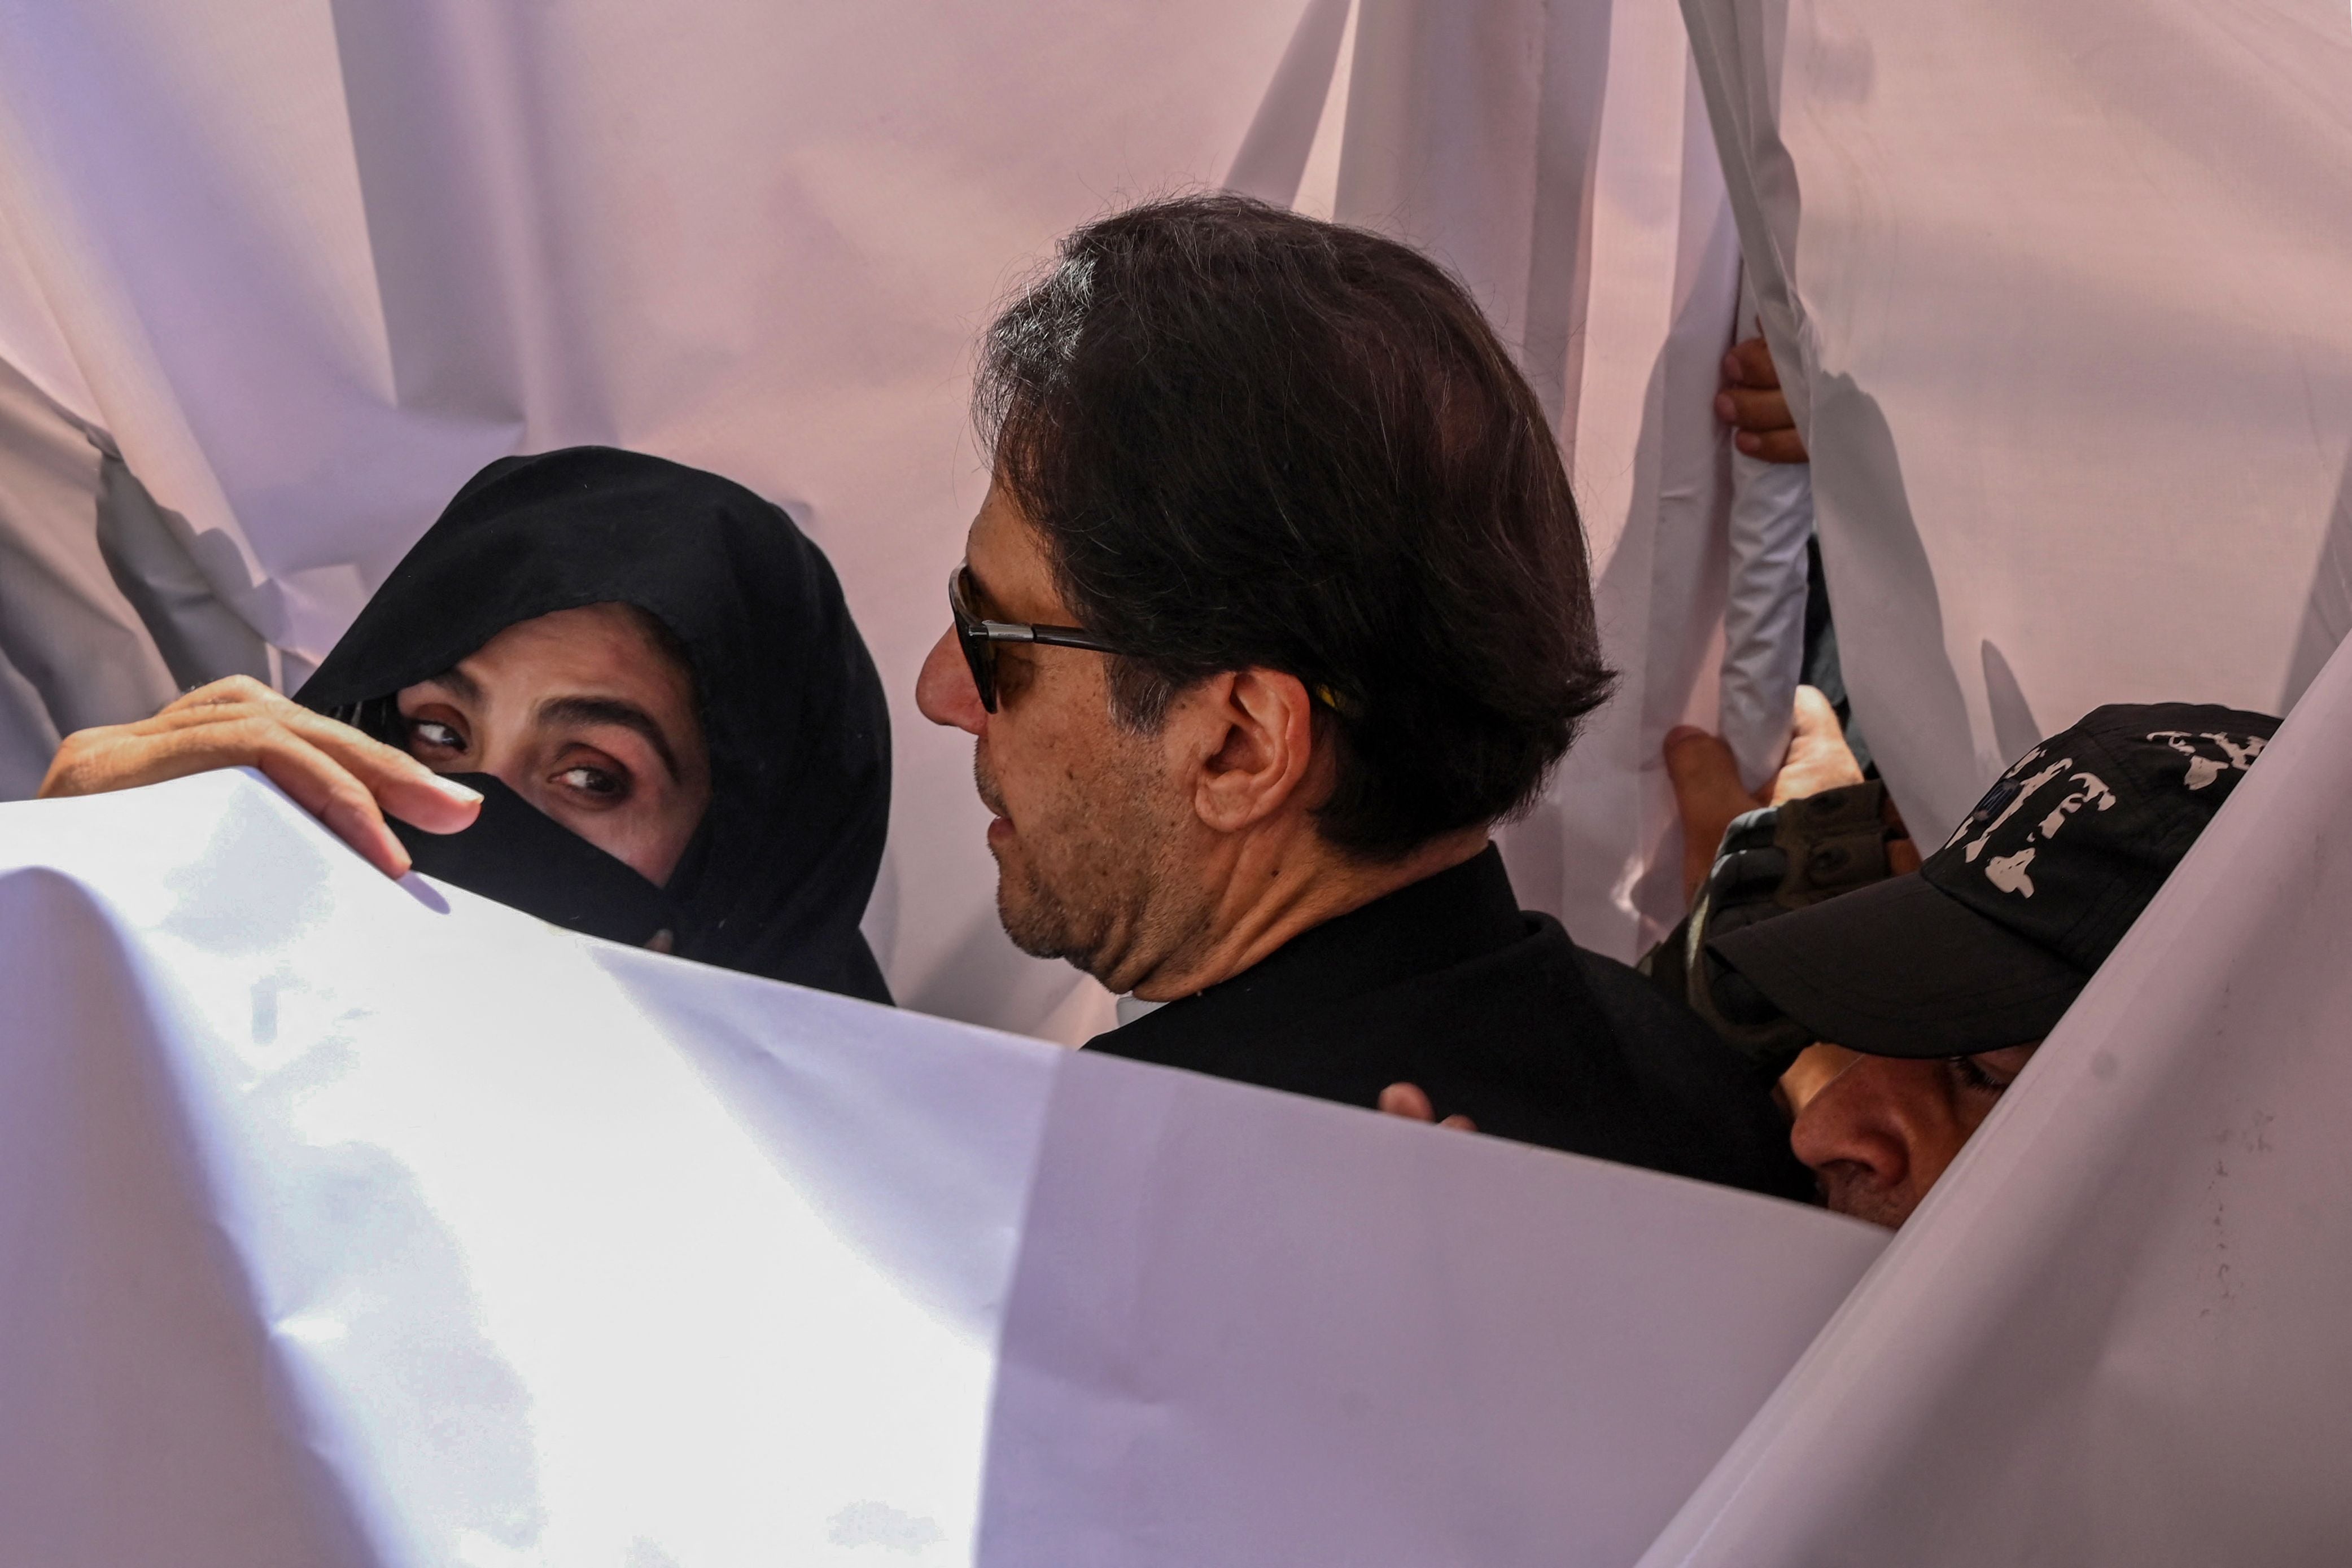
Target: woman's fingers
{"x": 400, "y": 784}
{"x": 216, "y": 694}
{"x": 124, "y": 757}
{"x": 324, "y": 788}
{"x": 347, "y": 779}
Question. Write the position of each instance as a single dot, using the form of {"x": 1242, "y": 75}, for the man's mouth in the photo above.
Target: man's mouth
{"x": 991, "y": 798}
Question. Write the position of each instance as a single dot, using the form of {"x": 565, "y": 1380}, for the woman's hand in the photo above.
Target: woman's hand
{"x": 337, "y": 775}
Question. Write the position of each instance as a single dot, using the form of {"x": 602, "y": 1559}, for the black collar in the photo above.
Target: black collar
{"x": 1462, "y": 913}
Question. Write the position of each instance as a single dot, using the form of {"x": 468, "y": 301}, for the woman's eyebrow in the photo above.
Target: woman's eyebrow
{"x": 462, "y": 685}
{"x": 609, "y": 710}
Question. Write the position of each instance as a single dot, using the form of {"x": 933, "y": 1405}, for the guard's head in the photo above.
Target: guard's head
{"x": 1287, "y": 471}
{"x": 1940, "y": 985}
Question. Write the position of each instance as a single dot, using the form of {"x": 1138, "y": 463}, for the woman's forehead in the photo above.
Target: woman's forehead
{"x": 595, "y": 648}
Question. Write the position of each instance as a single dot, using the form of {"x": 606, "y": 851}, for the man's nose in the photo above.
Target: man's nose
{"x": 1856, "y": 1120}
{"x": 944, "y": 693}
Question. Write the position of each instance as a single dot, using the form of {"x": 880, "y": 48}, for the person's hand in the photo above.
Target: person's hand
{"x": 1818, "y": 758}
{"x": 1707, "y": 795}
{"x": 1752, "y": 404}
{"x": 1408, "y": 1100}
{"x": 1705, "y": 777}
{"x": 344, "y": 778}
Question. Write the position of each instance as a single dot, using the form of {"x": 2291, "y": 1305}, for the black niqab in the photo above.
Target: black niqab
{"x": 779, "y": 872}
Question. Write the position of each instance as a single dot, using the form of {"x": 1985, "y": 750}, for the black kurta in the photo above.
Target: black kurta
{"x": 1496, "y": 1014}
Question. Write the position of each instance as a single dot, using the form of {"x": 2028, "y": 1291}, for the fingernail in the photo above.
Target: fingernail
{"x": 1723, "y": 407}
{"x": 456, "y": 791}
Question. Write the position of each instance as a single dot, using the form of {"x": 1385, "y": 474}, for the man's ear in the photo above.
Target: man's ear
{"x": 1259, "y": 746}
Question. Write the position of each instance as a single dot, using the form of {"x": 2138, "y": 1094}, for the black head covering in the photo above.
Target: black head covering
{"x": 779, "y": 872}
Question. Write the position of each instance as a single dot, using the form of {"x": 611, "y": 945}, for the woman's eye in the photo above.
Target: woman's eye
{"x": 591, "y": 781}
{"x": 433, "y": 733}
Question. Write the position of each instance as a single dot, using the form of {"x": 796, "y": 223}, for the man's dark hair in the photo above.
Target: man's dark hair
{"x": 1252, "y": 438}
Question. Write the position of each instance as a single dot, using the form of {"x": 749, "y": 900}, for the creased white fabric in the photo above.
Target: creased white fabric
{"x": 1764, "y": 612}
{"x": 1770, "y": 524}
{"x": 2058, "y": 293}
{"x": 351, "y": 1222}
{"x": 2112, "y": 1336}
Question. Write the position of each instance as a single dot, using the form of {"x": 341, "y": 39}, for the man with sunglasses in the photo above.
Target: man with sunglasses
{"x": 1278, "y": 603}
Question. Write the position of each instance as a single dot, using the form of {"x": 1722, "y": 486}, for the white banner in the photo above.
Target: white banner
{"x": 2058, "y": 292}
{"x": 2113, "y": 1336}
{"x": 344, "y": 1221}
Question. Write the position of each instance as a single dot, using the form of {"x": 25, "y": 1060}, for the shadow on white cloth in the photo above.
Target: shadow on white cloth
{"x": 344, "y": 1221}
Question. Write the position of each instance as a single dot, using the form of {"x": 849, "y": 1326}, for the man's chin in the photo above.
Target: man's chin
{"x": 1030, "y": 922}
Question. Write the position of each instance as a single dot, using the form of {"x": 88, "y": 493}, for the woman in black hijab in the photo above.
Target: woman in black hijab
{"x": 779, "y": 716}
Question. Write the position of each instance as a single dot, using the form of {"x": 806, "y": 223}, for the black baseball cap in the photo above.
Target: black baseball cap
{"x": 1990, "y": 940}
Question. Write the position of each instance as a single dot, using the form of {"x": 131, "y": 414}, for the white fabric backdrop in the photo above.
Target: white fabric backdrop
{"x": 351, "y": 1222}
{"x": 308, "y": 263}
{"x": 2112, "y": 1336}
{"x": 2065, "y": 286}
{"x": 344, "y": 1222}
{"x": 2060, "y": 293}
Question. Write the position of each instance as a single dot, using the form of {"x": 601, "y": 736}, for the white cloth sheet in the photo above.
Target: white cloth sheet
{"x": 2058, "y": 293}
{"x": 2112, "y": 1336}
{"x": 350, "y": 1222}
{"x": 1764, "y": 612}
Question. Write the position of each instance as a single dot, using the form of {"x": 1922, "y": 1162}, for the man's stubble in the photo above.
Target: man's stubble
{"x": 1097, "y": 874}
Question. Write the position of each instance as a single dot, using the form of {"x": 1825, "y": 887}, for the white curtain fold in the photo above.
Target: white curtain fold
{"x": 2058, "y": 297}
{"x": 2113, "y": 1334}
{"x": 344, "y": 1222}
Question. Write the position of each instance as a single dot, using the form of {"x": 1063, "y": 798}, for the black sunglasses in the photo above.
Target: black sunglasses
{"x": 978, "y": 638}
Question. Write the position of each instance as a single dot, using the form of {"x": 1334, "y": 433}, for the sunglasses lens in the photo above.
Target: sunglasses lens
{"x": 979, "y": 653}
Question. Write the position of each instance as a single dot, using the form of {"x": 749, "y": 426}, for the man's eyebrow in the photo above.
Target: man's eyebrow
{"x": 609, "y": 710}
{"x": 984, "y": 601}
{"x": 462, "y": 685}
